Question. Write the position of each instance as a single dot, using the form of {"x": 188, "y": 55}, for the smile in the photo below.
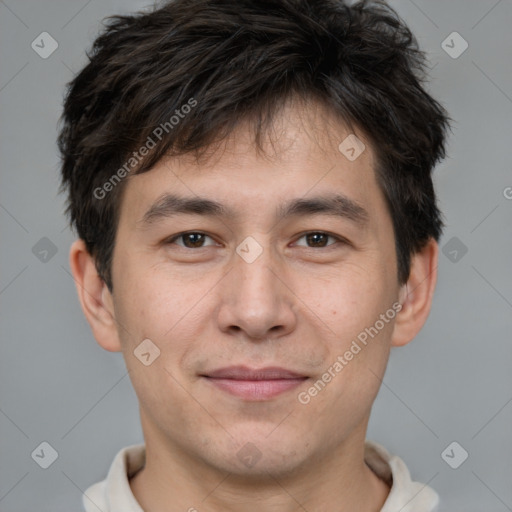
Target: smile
{"x": 257, "y": 384}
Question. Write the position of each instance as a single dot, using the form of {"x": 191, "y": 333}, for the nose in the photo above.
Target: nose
{"x": 256, "y": 298}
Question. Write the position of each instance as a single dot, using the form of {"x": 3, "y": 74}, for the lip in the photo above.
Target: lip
{"x": 254, "y": 384}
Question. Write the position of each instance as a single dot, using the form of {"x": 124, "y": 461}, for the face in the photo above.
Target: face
{"x": 256, "y": 308}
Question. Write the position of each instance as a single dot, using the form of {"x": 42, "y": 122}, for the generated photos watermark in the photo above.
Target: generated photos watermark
{"x": 304, "y": 397}
{"x": 151, "y": 142}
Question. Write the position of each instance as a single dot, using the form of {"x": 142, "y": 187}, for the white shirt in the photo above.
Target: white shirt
{"x": 114, "y": 493}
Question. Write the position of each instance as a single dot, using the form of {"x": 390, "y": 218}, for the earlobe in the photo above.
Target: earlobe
{"x": 416, "y": 295}
{"x": 94, "y": 296}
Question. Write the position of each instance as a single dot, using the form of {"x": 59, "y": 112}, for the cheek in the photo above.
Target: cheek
{"x": 362, "y": 318}
{"x": 353, "y": 298}
{"x": 151, "y": 302}
{"x": 356, "y": 363}
{"x": 168, "y": 309}
{"x": 155, "y": 308}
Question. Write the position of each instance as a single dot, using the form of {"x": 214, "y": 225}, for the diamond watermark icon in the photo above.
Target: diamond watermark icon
{"x": 146, "y": 352}
{"x": 249, "y": 250}
{"x": 454, "y": 455}
{"x": 45, "y": 455}
{"x": 44, "y": 45}
{"x": 351, "y": 147}
{"x": 249, "y": 454}
{"x": 454, "y": 45}
{"x": 44, "y": 250}
{"x": 454, "y": 249}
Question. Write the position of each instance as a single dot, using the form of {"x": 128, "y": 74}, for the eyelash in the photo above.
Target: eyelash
{"x": 180, "y": 235}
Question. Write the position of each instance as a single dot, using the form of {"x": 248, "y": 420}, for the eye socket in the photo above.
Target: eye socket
{"x": 199, "y": 237}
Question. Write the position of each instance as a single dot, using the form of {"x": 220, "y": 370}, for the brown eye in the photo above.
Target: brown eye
{"x": 318, "y": 239}
{"x": 191, "y": 240}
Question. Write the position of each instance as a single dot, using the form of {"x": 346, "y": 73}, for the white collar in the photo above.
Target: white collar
{"x": 115, "y": 495}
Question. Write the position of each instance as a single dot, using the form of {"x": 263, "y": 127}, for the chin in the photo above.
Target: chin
{"x": 258, "y": 452}
{"x": 266, "y": 465}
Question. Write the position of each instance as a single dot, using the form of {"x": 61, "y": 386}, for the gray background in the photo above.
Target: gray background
{"x": 453, "y": 383}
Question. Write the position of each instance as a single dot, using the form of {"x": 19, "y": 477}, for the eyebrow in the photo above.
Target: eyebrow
{"x": 338, "y": 205}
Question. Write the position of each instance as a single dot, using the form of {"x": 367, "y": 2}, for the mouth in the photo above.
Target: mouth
{"x": 254, "y": 384}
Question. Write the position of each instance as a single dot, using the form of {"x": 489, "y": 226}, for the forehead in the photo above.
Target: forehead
{"x": 306, "y": 153}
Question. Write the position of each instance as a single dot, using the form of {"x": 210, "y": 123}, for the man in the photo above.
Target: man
{"x": 251, "y": 186}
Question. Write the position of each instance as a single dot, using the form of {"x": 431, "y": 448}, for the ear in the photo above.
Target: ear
{"x": 416, "y": 295}
{"x": 95, "y": 298}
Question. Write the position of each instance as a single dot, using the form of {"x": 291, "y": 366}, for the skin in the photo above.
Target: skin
{"x": 295, "y": 306}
